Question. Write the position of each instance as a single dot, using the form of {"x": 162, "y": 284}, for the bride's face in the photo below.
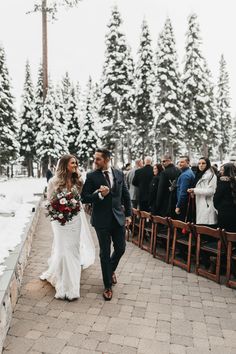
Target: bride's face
{"x": 72, "y": 165}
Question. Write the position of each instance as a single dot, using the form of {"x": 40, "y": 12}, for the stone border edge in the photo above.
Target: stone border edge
{"x": 11, "y": 279}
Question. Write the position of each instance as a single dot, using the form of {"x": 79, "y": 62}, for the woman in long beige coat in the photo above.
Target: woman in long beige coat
{"x": 205, "y": 187}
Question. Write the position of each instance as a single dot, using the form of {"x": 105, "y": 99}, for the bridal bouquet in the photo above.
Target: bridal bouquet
{"x": 63, "y": 206}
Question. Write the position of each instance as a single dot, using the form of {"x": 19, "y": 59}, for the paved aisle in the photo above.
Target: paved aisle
{"x": 155, "y": 309}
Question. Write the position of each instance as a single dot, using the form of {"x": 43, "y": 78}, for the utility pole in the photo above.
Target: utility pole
{"x": 45, "y": 48}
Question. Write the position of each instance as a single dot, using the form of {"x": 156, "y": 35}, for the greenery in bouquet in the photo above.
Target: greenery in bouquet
{"x": 63, "y": 205}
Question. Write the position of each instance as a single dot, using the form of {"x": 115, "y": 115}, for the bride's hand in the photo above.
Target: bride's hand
{"x": 104, "y": 190}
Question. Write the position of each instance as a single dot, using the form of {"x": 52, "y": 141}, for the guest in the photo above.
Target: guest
{"x": 205, "y": 187}
{"x": 225, "y": 198}
{"x": 49, "y": 173}
{"x": 126, "y": 170}
{"x": 142, "y": 180}
{"x": 157, "y": 169}
{"x": 184, "y": 182}
{"x": 194, "y": 166}
{"x": 166, "y": 193}
{"x": 133, "y": 191}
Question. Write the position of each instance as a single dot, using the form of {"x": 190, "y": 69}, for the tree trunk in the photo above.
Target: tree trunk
{"x": 122, "y": 152}
{"x": 116, "y": 154}
{"x": 189, "y": 149}
{"x": 38, "y": 170}
{"x": 171, "y": 150}
{"x": 205, "y": 149}
{"x": 221, "y": 153}
{"x": 30, "y": 167}
{"x": 128, "y": 148}
{"x": 163, "y": 147}
{"x": 45, "y": 48}
{"x": 143, "y": 149}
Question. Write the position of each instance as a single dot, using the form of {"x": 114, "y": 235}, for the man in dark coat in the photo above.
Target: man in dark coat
{"x": 166, "y": 193}
{"x": 142, "y": 179}
{"x": 184, "y": 182}
{"x": 106, "y": 190}
{"x": 133, "y": 191}
{"x": 49, "y": 173}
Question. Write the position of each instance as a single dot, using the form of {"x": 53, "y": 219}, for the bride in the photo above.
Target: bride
{"x": 73, "y": 245}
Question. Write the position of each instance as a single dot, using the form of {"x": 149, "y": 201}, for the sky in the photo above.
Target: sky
{"x": 76, "y": 41}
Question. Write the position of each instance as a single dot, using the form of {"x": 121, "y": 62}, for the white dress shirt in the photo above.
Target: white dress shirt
{"x": 111, "y": 178}
{"x": 110, "y": 174}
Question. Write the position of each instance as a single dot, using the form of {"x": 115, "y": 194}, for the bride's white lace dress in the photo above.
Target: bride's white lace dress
{"x": 72, "y": 248}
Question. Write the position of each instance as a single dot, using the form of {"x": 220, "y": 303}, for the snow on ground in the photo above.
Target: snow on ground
{"x": 16, "y": 197}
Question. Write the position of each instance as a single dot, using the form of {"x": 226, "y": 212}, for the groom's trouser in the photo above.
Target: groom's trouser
{"x": 109, "y": 262}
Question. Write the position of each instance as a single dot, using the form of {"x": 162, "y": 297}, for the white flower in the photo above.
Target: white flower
{"x": 63, "y": 201}
{"x": 60, "y": 216}
{"x": 60, "y": 195}
{"x": 74, "y": 201}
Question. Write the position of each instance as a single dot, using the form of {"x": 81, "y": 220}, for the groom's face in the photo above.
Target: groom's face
{"x": 100, "y": 162}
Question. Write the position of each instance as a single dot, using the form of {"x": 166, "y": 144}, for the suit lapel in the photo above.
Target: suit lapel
{"x": 104, "y": 181}
{"x": 101, "y": 177}
{"x": 114, "y": 187}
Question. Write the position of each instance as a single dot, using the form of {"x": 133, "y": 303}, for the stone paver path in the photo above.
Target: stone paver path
{"x": 156, "y": 308}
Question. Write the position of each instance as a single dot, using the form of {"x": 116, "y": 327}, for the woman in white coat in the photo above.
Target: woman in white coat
{"x": 205, "y": 187}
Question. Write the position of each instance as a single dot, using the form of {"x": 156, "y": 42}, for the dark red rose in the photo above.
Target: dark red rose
{"x": 62, "y": 207}
{"x": 67, "y": 209}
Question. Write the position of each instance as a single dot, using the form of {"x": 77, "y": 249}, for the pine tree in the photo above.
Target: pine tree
{"x": 50, "y": 140}
{"x": 87, "y": 140}
{"x": 66, "y": 88}
{"x": 97, "y": 118}
{"x": 61, "y": 118}
{"x": 61, "y": 114}
{"x": 145, "y": 89}
{"x": 60, "y": 107}
{"x": 223, "y": 109}
{"x": 27, "y": 123}
{"x": 169, "y": 122}
{"x": 71, "y": 99}
{"x": 39, "y": 98}
{"x": 73, "y": 121}
{"x": 38, "y": 111}
{"x": 212, "y": 136}
{"x": 195, "y": 90}
{"x": 233, "y": 140}
{"x": 116, "y": 87}
{"x": 8, "y": 123}
{"x": 128, "y": 109}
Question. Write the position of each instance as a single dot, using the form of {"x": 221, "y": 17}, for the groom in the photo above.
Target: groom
{"x": 105, "y": 188}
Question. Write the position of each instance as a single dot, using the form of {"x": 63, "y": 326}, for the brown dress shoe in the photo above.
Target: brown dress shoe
{"x": 107, "y": 294}
{"x": 113, "y": 279}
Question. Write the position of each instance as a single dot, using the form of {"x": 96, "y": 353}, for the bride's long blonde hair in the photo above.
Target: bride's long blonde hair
{"x": 62, "y": 173}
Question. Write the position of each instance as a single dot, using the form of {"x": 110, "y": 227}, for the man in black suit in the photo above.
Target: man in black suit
{"x": 142, "y": 179}
{"x": 105, "y": 188}
{"x": 166, "y": 193}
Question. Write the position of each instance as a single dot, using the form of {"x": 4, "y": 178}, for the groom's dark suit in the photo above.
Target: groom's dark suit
{"x": 108, "y": 218}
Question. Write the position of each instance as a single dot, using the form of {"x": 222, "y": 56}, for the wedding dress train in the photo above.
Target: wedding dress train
{"x": 72, "y": 248}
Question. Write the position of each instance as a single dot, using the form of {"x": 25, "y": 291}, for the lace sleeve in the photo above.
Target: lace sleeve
{"x": 50, "y": 188}
{"x": 80, "y": 185}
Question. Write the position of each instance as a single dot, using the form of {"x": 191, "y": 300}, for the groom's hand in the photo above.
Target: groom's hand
{"x": 104, "y": 190}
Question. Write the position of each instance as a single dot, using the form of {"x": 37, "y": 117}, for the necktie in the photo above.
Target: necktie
{"x": 106, "y": 175}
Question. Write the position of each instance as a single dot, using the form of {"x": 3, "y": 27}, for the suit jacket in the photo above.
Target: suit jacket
{"x": 142, "y": 179}
{"x": 115, "y": 205}
{"x": 133, "y": 191}
{"x": 163, "y": 205}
